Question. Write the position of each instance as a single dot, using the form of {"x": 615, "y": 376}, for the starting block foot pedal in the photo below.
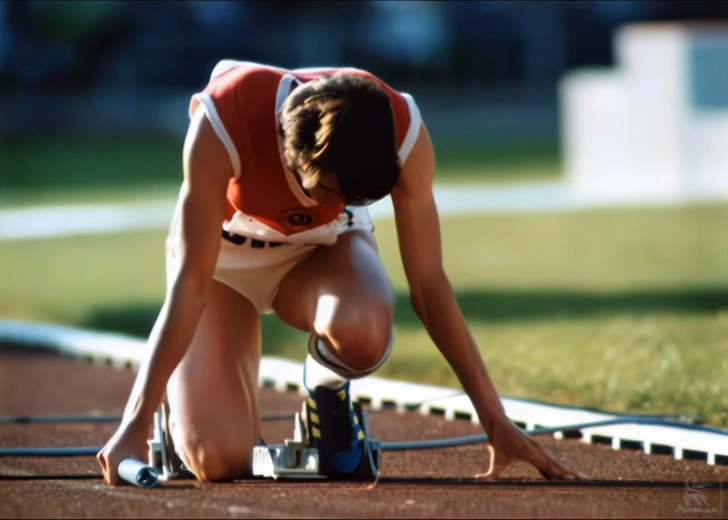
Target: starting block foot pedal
{"x": 162, "y": 456}
{"x": 297, "y": 460}
{"x": 294, "y": 459}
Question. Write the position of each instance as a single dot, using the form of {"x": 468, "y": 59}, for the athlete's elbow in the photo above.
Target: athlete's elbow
{"x": 193, "y": 284}
{"x": 428, "y": 292}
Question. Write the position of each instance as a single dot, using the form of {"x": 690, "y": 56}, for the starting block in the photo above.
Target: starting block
{"x": 295, "y": 459}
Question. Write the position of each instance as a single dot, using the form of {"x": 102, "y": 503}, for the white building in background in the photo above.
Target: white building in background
{"x": 656, "y": 126}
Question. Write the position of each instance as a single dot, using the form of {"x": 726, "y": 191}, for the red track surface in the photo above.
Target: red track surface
{"x": 414, "y": 484}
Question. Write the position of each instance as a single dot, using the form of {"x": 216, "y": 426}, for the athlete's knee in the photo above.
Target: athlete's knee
{"x": 360, "y": 335}
{"x": 361, "y": 348}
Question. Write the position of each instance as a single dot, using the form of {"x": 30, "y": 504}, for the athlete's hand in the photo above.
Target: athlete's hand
{"x": 129, "y": 441}
{"x": 507, "y": 444}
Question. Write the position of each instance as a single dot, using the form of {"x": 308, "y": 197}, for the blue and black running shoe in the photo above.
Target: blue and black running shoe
{"x": 333, "y": 428}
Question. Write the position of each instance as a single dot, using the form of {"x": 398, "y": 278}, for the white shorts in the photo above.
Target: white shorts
{"x": 255, "y": 268}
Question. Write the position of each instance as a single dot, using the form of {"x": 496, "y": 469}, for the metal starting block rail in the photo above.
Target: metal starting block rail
{"x": 295, "y": 459}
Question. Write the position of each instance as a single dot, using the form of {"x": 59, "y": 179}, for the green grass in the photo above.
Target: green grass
{"x": 135, "y": 168}
{"x": 624, "y": 310}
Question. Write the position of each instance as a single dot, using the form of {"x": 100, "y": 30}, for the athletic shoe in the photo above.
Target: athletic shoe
{"x": 333, "y": 428}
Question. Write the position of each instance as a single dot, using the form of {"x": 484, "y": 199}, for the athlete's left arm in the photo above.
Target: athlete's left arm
{"x": 418, "y": 229}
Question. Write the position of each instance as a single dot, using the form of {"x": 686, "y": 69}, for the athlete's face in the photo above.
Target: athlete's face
{"x": 326, "y": 190}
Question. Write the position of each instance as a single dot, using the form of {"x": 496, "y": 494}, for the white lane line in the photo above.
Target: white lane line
{"x": 31, "y": 223}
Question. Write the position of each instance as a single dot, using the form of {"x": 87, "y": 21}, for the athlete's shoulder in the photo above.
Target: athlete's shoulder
{"x": 238, "y": 85}
{"x": 236, "y": 72}
{"x": 238, "y": 99}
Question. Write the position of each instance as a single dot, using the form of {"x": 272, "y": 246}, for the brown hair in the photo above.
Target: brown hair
{"x": 344, "y": 125}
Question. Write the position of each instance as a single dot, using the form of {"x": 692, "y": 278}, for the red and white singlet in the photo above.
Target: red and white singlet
{"x": 264, "y": 199}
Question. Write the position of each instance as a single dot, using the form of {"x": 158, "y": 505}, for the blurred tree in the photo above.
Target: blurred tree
{"x": 692, "y": 10}
{"x": 68, "y": 22}
{"x": 64, "y": 41}
{"x": 5, "y": 34}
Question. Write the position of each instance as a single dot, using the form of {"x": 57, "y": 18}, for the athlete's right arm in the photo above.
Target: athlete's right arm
{"x": 207, "y": 170}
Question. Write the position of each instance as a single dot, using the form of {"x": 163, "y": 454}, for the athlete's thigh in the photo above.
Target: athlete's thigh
{"x": 350, "y": 270}
{"x": 213, "y": 393}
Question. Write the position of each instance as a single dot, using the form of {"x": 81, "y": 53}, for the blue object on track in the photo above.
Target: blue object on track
{"x": 138, "y": 473}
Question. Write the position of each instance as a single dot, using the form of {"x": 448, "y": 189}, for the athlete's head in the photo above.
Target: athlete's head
{"x": 339, "y": 136}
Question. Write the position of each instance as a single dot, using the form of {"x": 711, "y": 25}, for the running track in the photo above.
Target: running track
{"x": 423, "y": 484}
